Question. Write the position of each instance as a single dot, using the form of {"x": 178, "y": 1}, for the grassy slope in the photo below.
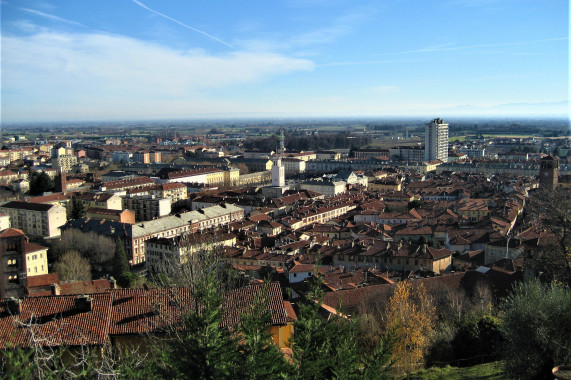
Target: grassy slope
{"x": 487, "y": 371}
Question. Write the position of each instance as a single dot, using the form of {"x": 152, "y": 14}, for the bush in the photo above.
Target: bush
{"x": 537, "y": 329}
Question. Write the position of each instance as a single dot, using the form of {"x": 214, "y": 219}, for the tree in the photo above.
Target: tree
{"x": 537, "y": 329}
{"x": 411, "y": 315}
{"x": 76, "y": 209}
{"x": 202, "y": 349}
{"x": 552, "y": 209}
{"x": 259, "y": 356}
{"x": 40, "y": 183}
{"x": 98, "y": 249}
{"x": 325, "y": 348}
{"x": 72, "y": 267}
{"x": 121, "y": 270}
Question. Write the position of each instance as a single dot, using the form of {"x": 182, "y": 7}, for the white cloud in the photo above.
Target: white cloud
{"x": 94, "y": 71}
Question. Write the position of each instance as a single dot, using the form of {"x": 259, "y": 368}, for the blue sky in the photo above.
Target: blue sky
{"x": 155, "y": 59}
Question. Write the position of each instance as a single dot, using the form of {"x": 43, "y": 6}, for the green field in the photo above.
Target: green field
{"x": 490, "y": 371}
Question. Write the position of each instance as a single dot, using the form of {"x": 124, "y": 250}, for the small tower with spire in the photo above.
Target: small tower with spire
{"x": 278, "y": 170}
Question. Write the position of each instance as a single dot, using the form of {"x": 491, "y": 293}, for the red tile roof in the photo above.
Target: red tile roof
{"x": 55, "y": 321}
{"x": 58, "y": 321}
{"x": 11, "y": 232}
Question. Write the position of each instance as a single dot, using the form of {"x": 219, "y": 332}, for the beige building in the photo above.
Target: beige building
{"x": 64, "y": 162}
{"x": 474, "y": 209}
{"x": 164, "y": 253}
{"x": 174, "y": 191}
{"x": 35, "y": 219}
{"x": 148, "y": 207}
{"x": 19, "y": 260}
{"x": 101, "y": 200}
{"x": 327, "y": 188}
{"x": 293, "y": 165}
{"x": 382, "y": 185}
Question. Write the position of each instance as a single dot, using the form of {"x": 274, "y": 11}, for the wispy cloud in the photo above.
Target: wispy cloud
{"x": 51, "y": 17}
{"x": 182, "y": 24}
{"x": 447, "y": 47}
{"x": 369, "y": 62}
{"x": 85, "y": 73}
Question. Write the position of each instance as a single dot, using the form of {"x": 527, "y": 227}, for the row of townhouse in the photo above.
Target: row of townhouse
{"x": 210, "y": 176}
{"x": 393, "y": 256}
{"x": 134, "y": 236}
{"x": 309, "y": 215}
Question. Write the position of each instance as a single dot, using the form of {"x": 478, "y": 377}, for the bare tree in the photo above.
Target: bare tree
{"x": 45, "y": 359}
{"x": 550, "y": 211}
{"x": 72, "y": 267}
{"x": 99, "y": 250}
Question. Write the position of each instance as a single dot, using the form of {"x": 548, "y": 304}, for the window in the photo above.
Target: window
{"x": 341, "y": 258}
{"x": 295, "y": 275}
{"x": 11, "y": 263}
{"x": 13, "y": 279}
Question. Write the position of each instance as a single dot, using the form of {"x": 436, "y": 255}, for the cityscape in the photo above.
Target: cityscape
{"x": 288, "y": 190}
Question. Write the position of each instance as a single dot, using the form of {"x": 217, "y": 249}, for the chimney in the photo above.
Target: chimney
{"x": 112, "y": 283}
{"x": 83, "y": 303}
{"x": 56, "y": 290}
{"x": 14, "y": 306}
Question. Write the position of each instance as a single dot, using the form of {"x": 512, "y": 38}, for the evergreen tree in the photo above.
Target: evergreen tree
{"x": 326, "y": 348}
{"x": 121, "y": 270}
{"x": 76, "y": 209}
{"x": 202, "y": 350}
{"x": 40, "y": 183}
{"x": 260, "y": 357}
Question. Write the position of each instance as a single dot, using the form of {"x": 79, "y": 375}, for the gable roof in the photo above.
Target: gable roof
{"x": 55, "y": 321}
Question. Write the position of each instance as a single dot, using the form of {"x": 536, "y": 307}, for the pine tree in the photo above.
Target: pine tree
{"x": 326, "y": 348}
{"x": 40, "y": 182}
{"x": 260, "y": 357}
{"x": 121, "y": 270}
{"x": 202, "y": 350}
{"x": 76, "y": 209}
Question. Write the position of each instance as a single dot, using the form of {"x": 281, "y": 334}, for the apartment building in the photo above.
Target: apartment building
{"x": 64, "y": 162}
{"x": 134, "y": 236}
{"x": 100, "y": 200}
{"x": 35, "y": 219}
{"x": 148, "y": 207}
{"x": 163, "y": 253}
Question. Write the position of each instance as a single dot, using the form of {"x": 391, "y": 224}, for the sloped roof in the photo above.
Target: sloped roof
{"x": 11, "y": 232}
{"x": 56, "y": 321}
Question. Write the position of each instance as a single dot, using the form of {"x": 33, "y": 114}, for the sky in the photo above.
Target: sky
{"x": 84, "y": 60}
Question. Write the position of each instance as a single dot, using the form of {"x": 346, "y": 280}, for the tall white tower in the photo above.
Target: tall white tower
{"x": 436, "y": 141}
{"x": 278, "y": 170}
